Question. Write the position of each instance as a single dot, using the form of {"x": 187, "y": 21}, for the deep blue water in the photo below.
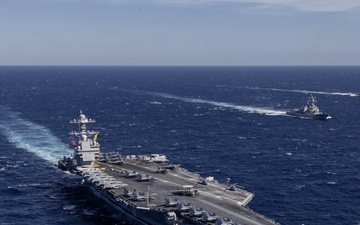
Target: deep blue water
{"x": 219, "y": 121}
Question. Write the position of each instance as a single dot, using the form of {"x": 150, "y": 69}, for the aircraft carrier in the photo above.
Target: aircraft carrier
{"x": 149, "y": 190}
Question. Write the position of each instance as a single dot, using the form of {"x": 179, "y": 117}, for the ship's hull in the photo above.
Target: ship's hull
{"x": 141, "y": 216}
{"x": 318, "y": 116}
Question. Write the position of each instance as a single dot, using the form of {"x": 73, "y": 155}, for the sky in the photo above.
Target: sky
{"x": 180, "y": 32}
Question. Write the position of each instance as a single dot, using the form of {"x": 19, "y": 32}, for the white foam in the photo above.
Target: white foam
{"x": 30, "y": 136}
{"x": 351, "y": 94}
{"x": 155, "y": 103}
{"x": 69, "y": 207}
{"x": 248, "y": 109}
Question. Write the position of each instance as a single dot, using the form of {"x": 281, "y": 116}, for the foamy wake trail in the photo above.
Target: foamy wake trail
{"x": 30, "y": 136}
{"x": 247, "y": 109}
{"x": 351, "y": 94}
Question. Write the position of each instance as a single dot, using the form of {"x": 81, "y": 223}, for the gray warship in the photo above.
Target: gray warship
{"x": 149, "y": 190}
{"x": 310, "y": 110}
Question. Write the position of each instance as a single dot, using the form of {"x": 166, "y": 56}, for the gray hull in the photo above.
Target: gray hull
{"x": 129, "y": 211}
{"x": 320, "y": 116}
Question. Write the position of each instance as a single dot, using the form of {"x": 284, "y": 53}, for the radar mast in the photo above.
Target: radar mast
{"x": 86, "y": 149}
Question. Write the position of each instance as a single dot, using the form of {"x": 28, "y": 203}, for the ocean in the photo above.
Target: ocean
{"x": 226, "y": 122}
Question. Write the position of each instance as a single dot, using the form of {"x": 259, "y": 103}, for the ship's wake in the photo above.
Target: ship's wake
{"x": 30, "y": 136}
{"x": 247, "y": 109}
{"x": 351, "y": 94}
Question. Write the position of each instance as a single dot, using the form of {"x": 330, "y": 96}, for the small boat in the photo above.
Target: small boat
{"x": 310, "y": 110}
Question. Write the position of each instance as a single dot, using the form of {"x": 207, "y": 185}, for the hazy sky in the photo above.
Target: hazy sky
{"x": 179, "y": 32}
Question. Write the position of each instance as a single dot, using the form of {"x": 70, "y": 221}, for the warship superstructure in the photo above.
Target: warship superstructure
{"x": 310, "y": 110}
{"x": 150, "y": 190}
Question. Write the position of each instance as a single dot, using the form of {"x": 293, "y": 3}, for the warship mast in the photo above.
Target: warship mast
{"x": 87, "y": 149}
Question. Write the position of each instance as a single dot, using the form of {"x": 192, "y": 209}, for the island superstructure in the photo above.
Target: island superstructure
{"x": 149, "y": 190}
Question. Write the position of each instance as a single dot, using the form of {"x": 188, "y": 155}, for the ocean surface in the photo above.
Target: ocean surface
{"x": 226, "y": 122}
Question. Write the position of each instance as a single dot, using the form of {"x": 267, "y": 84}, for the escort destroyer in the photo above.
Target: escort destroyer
{"x": 310, "y": 110}
{"x": 150, "y": 190}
